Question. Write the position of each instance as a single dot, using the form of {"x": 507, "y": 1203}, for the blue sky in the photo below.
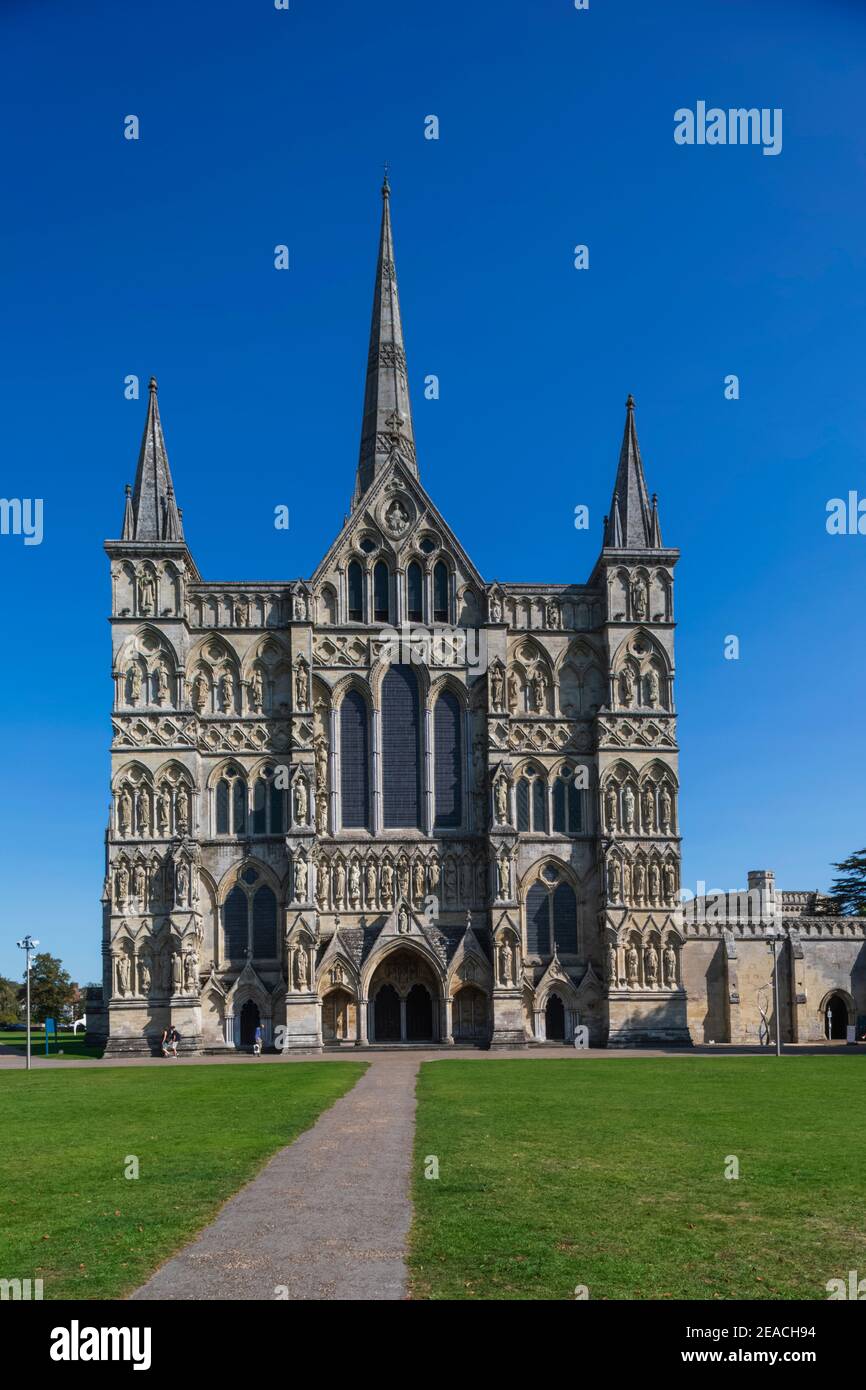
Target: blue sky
{"x": 261, "y": 127}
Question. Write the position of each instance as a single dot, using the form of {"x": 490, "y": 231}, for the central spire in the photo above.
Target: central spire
{"x": 386, "y": 429}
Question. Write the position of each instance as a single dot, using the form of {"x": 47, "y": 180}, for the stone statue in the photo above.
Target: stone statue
{"x": 143, "y": 808}
{"x": 505, "y": 976}
{"x": 146, "y": 592}
{"x": 370, "y": 882}
{"x": 134, "y": 683}
{"x": 322, "y": 887}
{"x": 124, "y": 811}
{"x": 240, "y": 614}
{"x": 665, "y": 809}
{"x": 610, "y": 809}
{"x": 497, "y": 687}
{"x": 654, "y": 882}
{"x": 301, "y": 685}
{"x": 257, "y": 691}
{"x": 301, "y": 880}
{"x": 355, "y": 884}
{"x": 403, "y": 878}
{"x": 322, "y": 813}
{"x": 182, "y": 882}
{"x": 300, "y": 801}
{"x": 650, "y": 966}
{"x": 418, "y": 884}
{"x": 539, "y": 690}
{"x": 403, "y": 920}
{"x": 638, "y": 600}
{"x": 123, "y": 974}
{"x": 161, "y": 682}
{"x": 176, "y": 972}
{"x": 339, "y": 883}
{"x": 615, "y": 877}
{"x": 396, "y": 516}
{"x": 387, "y": 877}
{"x": 652, "y": 689}
{"x": 226, "y": 691}
{"x": 139, "y": 886}
{"x": 612, "y": 967}
{"x": 626, "y": 882}
{"x": 628, "y": 809}
{"x": 501, "y": 792}
{"x": 495, "y": 609}
{"x": 670, "y": 882}
{"x": 199, "y": 693}
{"x": 552, "y": 614}
{"x": 649, "y": 811}
{"x": 670, "y": 964}
{"x": 514, "y": 692}
{"x": 163, "y": 811}
{"x": 181, "y": 809}
{"x": 143, "y": 976}
{"x": 626, "y": 687}
{"x": 301, "y": 968}
{"x": 631, "y": 966}
{"x": 503, "y": 867}
{"x": 320, "y": 749}
{"x": 190, "y": 971}
{"x": 639, "y": 878}
{"x": 433, "y": 876}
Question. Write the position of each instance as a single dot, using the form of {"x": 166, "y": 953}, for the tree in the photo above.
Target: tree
{"x": 10, "y": 1010}
{"x": 51, "y": 990}
{"x": 848, "y": 891}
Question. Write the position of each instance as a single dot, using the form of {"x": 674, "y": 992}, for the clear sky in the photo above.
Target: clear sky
{"x": 261, "y": 126}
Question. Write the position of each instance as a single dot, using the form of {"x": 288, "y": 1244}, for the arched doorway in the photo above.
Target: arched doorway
{"x": 469, "y": 1015}
{"x": 836, "y": 1018}
{"x": 338, "y": 1016}
{"x": 419, "y": 1015}
{"x": 386, "y": 1015}
{"x": 554, "y": 1019}
{"x": 250, "y": 1020}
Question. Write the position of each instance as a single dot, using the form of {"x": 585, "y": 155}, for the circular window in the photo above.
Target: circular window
{"x": 368, "y": 545}
{"x": 428, "y": 545}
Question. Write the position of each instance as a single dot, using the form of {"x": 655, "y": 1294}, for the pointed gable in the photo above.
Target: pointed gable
{"x": 155, "y": 516}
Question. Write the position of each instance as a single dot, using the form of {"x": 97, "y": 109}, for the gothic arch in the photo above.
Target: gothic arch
{"x": 394, "y": 944}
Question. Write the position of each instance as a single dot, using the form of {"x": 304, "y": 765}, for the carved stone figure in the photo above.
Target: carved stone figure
{"x": 199, "y": 693}
{"x": 302, "y": 977}
{"x": 503, "y": 870}
{"x": 161, "y": 682}
{"x": 320, "y": 749}
{"x": 639, "y": 879}
{"x": 649, "y": 811}
{"x": 638, "y": 600}
{"x": 143, "y": 976}
{"x": 322, "y": 887}
{"x": 403, "y": 878}
{"x": 433, "y": 876}
{"x": 301, "y": 685}
{"x": 403, "y": 920}
{"x": 370, "y": 882}
{"x": 240, "y": 614}
{"x": 505, "y": 962}
{"x": 670, "y": 875}
{"x": 631, "y": 965}
{"x": 495, "y": 609}
{"x": 387, "y": 878}
{"x": 626, "y": 882}
{"x": 190, "y": 972}
{"x": 143, "y": 812}
{"x": 665, "y": 809}
{"x": 134, "y": 683}
{"x": 322, "y": 813}
{"x": 418, "y": 881}
{"x": 615, "y": 878}
{"x": 612, "y": 967}
{"x": 355, "y": 884}
{"x": 146, "y": 592}
{"x": 501, "y": 792}
{"x": 181, "y": 809}
{"x": 301, "y": 880}
{"x": 226, "y": 692}
{"x": 514, "y": 692}
{"x": 176, "y": 972}
{"x": 670, "y": 966}
{"x": 654, "y": 882}
{"x": 628, "y": 809}
{"x": 497, "y": 687}
{"x": 610, "y": 810}
{"x": 551, "y": 613}
{"x": 139, "y": 885}
{"x": 396, "y": 517}
{"x": 123, "y": 974}
{"x": 300, "y": 801}
{"x": 182, "y": 882}
{"x": 339, "y": 883}
{"x": 626, "y": 688}
{"x": 650, "y": 965}
{"x": 652, "y": 689}
{"x": 300, "y": 608}
{"x": 124, "y": 811}
{"x": 163, "y": 811}
{"x": 257, "y": 691}
{"x": 539, "y": 690}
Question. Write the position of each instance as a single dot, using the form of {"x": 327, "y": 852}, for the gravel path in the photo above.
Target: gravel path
{"x": 327, "y": 1218}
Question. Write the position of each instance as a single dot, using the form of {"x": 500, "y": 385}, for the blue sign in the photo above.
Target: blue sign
{"x": 50, "y": 1027}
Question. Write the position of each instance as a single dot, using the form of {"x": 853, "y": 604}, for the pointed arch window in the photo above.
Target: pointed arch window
{"x": 551, "y": 918}
{"x": 250, "y": 919}
{"x": 269, "y": 805}
{"x": 354, "y": 762}
{"x": 231, "y": 803}
{"x": 414, "y": 593}
{"x": 401, "y": 762}
{"x": 568, "y": 804}
{"x": 532, "y": 803}
{"x": 356, "y": 593}
{"x": 441, "y": 606}
{"x": 448, "y": 758}
{"x": 381, "y": 593}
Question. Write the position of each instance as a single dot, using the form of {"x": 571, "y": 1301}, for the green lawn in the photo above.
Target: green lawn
{"x": 68, "y": 1214}
{"x": 610, "y": 1174}
{"x": 66, "y": 1044}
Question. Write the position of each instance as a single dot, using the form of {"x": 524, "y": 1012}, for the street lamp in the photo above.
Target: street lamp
{"x": 773, "y": 936}
{"x": 28, "y": 944}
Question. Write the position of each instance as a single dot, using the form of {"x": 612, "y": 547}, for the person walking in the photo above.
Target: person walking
{"x": 258, "y": 1041}
{"x": 172, "y": 1040}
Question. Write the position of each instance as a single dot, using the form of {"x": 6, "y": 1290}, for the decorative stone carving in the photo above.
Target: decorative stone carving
{"x": 631, "y": 966}
{"x": 670, "y": 966}
{"x": 650, "y": 966}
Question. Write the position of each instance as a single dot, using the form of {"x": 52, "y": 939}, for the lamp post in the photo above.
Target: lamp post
{"x": 773, "y": 936}
{"x": 28, "y": 944}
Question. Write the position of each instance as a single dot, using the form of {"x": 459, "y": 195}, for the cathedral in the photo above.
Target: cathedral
{"x": 394, "y": 804}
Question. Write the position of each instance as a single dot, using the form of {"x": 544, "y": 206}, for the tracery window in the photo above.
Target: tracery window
{"x": 356, "y": 592}
{"x": 448, "y": 754}
{"x": 414, "y": 593}
{"x": 381, "y": 593}
{"x": 401, "y": 763}
{"x": 269, "y": 805}
{"x": 354, "y": 762}
{"x": 532, "y": 802}
{"x": 231, "y": 803}
{"x": 441, "y": 606}
{"x": 568, "y": 804}
{"x": 551, "y": 917}
{"x": 250, "y": 919}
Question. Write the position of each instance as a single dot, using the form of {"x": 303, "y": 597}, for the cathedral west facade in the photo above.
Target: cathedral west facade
{"x": 395, "y": 803}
